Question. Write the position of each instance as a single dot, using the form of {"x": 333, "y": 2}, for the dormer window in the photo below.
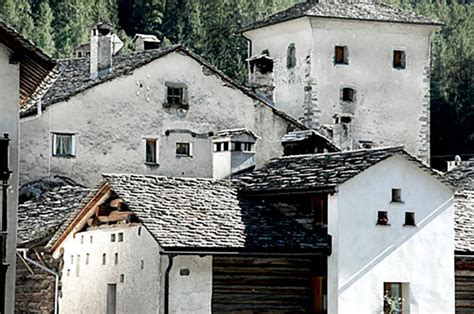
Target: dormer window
{"x": 341, "y": 55}
{"x": 291, "y": 56}
{"x": 348, "y": 94}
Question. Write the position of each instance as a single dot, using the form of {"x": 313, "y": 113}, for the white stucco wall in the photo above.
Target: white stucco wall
{"x": 113, "y": 119}
{"x": 86, "y": 291}
{"x": 191, "y": 293}
{"x": 9, "y": 95}
{"x": 392, "y": 105}
{"x": 366, "y": 255}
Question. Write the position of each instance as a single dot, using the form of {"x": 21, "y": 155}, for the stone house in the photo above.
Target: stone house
{"x": 357, "y": 70}
{"x": 23, "y": 70}
{"x": 462, "y": 174}
{"x": 329, "y": 233}
{"x": 148, "y": 112}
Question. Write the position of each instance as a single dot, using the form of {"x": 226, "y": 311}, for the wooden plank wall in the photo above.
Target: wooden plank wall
{"x": 261, "y": 285}
{"x": 464, "y": 281}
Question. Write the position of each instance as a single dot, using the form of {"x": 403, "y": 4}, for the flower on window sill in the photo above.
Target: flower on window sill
{"x": 392, "y": 304}
{"x": 383, "y": 221}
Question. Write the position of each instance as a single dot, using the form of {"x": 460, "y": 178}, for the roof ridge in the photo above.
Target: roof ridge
{"x": 384, "y": 148}
{"x": 122, "y": 175}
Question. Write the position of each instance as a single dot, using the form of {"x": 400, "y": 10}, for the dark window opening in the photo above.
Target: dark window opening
{"x": 183, "y": 149}
{"x": 112, "y": 237}
{"x": 218, "y": 147}
{"x": 266, "y": 52}
{"x": 341, "y": 55}
{"x": 392, "y": 298}
{"x": 226, "y": 146}
{"x": 348, "y": 94}
{"x": 151, "y": 151}
{"x": 238, "y": 146}
{"x": 382, "y": 218}
{"x": 410, "y": 219}
{"x": 399, "y": 59}
{"x": 104, "y": 259}
{"x": 346, "y": 119}
{"x": 291, "y": 56}
{"x": 175, "y": 95}
{"x": 120, "y": 237}
{"x": 397, "y": 195}
{"x": 147, "y": 45}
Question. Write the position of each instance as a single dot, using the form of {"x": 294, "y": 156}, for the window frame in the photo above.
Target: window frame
{"x": 291, "y": 56}
{"x": 399, "y": 64}
{"x": 183, "y": 95}
{"x": 344, "y": 58}
{"x": 154, "y": 150}
{"x": 56, "y": 136}
{"x": 189, "y": 153}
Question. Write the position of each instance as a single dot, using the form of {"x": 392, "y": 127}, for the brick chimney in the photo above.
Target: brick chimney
{"x": 101, "y": 50}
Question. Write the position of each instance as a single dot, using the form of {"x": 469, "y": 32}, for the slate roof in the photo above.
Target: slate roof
{"x": 40, "y": 218}
{"x": 369, "y": 11}
{"x": 184, "y": 213}
{"x": 320, "y": 171}
{"x": 235, "y": 132}
{"x": 302, "y": 135}
{"x": 463, "y": 175}
{"x": 464, "y": 221}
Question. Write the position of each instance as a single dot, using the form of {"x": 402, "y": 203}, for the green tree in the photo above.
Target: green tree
{"x": 43, "y": 35}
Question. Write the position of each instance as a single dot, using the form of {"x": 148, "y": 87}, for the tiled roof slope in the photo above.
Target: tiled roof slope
{"x": 39, "y": 219}
{"x": 306, "y": 172}
{"x": 370, "y": 11}
{"x": 205, "y": 213}
{"x": 463, "y": 175}
{"x": 464, "y": 221}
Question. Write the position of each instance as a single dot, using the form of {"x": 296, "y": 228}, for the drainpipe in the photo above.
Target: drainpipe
{"x": 167, "y": 283}
{"x": 55, "y": 274}
{"x": 4, "y": 176}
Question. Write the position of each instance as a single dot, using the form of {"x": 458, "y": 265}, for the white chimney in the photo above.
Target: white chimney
{"x": 101, "y": 50}
{"x": 234, "y": 152}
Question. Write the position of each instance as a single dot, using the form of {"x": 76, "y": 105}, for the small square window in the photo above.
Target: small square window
{"x": 397, "y": 195}
{"x": 175, "y": 95}
{"x": 382, "y": 218}
{"x": 399, "y": 59}
{"x": 410, "y": 219}
{"x": 341, "y": 55}
{"x": 348, "y": 94}
{"x": 120, "y": 237}
{"x": 112, "y": 237}
{"x": 64, "y": 145}
{"x": 151, "y": 151}
{"x": 184, "y": 149}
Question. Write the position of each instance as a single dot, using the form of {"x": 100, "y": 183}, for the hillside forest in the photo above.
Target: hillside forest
{"x": 209, "y": 27}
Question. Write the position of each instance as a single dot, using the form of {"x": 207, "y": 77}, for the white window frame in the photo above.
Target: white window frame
{"x": 190, "y": 149}
{"x": 55, "y": 142}
{"x": 157, "y": 146}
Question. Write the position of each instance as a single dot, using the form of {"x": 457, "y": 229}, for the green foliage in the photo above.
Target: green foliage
{"x": 43, "y": 34}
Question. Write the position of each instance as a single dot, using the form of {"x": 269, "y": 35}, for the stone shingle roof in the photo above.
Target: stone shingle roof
{"x": 40, "y": 218}
{"x": 204, "y": 213}
{"x": 463, "y": 175}
{"x": 299, "y": 136}
{"x": 464, "y": 221}
{"x": 320, "y": 171}
{"x": 369, "y": 11}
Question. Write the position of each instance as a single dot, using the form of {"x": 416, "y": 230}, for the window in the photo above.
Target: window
{"x": 112, "y": 237}
{"x": 104, "y": 259}
{"x": 176, "y": 94}
{"x": 382, "y": 218}
{"x": 348, "y": 94}
{"x": 397, "y": 196}
{"x": 409, "y": 219}
{"x": 241, "y": 147}
{"x": 142, "y": 264}
{"x": 116, "y": 259}
{"x": 399, "y": 59}
{"x": 92, "y": 239}
{"x": 291, "y": 56}
{"x": 82, "y": 239}
{"x": 111, "y": 298}
{"x": 120, "y": 237}
{"x": 87, "y": 259}
{"x": 64, "y": 145}
{"x": 151, "y": 151}
{"x": 393, "y": 298}
{"x": 122, "y": 278}
{"x": 341, "y": 55}
{"x": 184, "y": 149}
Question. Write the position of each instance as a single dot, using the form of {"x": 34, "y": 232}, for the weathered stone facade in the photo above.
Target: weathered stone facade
{"x": 35, "y": 288}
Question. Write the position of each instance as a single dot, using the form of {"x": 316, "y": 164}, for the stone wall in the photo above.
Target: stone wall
{"x": 34, "y": 291}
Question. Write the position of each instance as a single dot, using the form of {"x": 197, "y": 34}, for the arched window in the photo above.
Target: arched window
{"x": 291, "y": 56}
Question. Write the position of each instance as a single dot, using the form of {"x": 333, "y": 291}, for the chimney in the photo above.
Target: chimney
{"x": 101, "y": 50}
{"x": 261, "y": 74}
{"x": 234, "y": 153}
{"x": 342, "y": 131}
{"x": 143, "y": 42}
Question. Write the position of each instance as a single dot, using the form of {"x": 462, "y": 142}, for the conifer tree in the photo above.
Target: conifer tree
{"x": 43, "y": 35}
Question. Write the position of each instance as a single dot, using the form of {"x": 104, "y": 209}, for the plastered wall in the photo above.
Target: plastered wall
{"x": 9, "y": 95}
{"x": 365, "y": 255}
{"x": 112, "y": 120}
